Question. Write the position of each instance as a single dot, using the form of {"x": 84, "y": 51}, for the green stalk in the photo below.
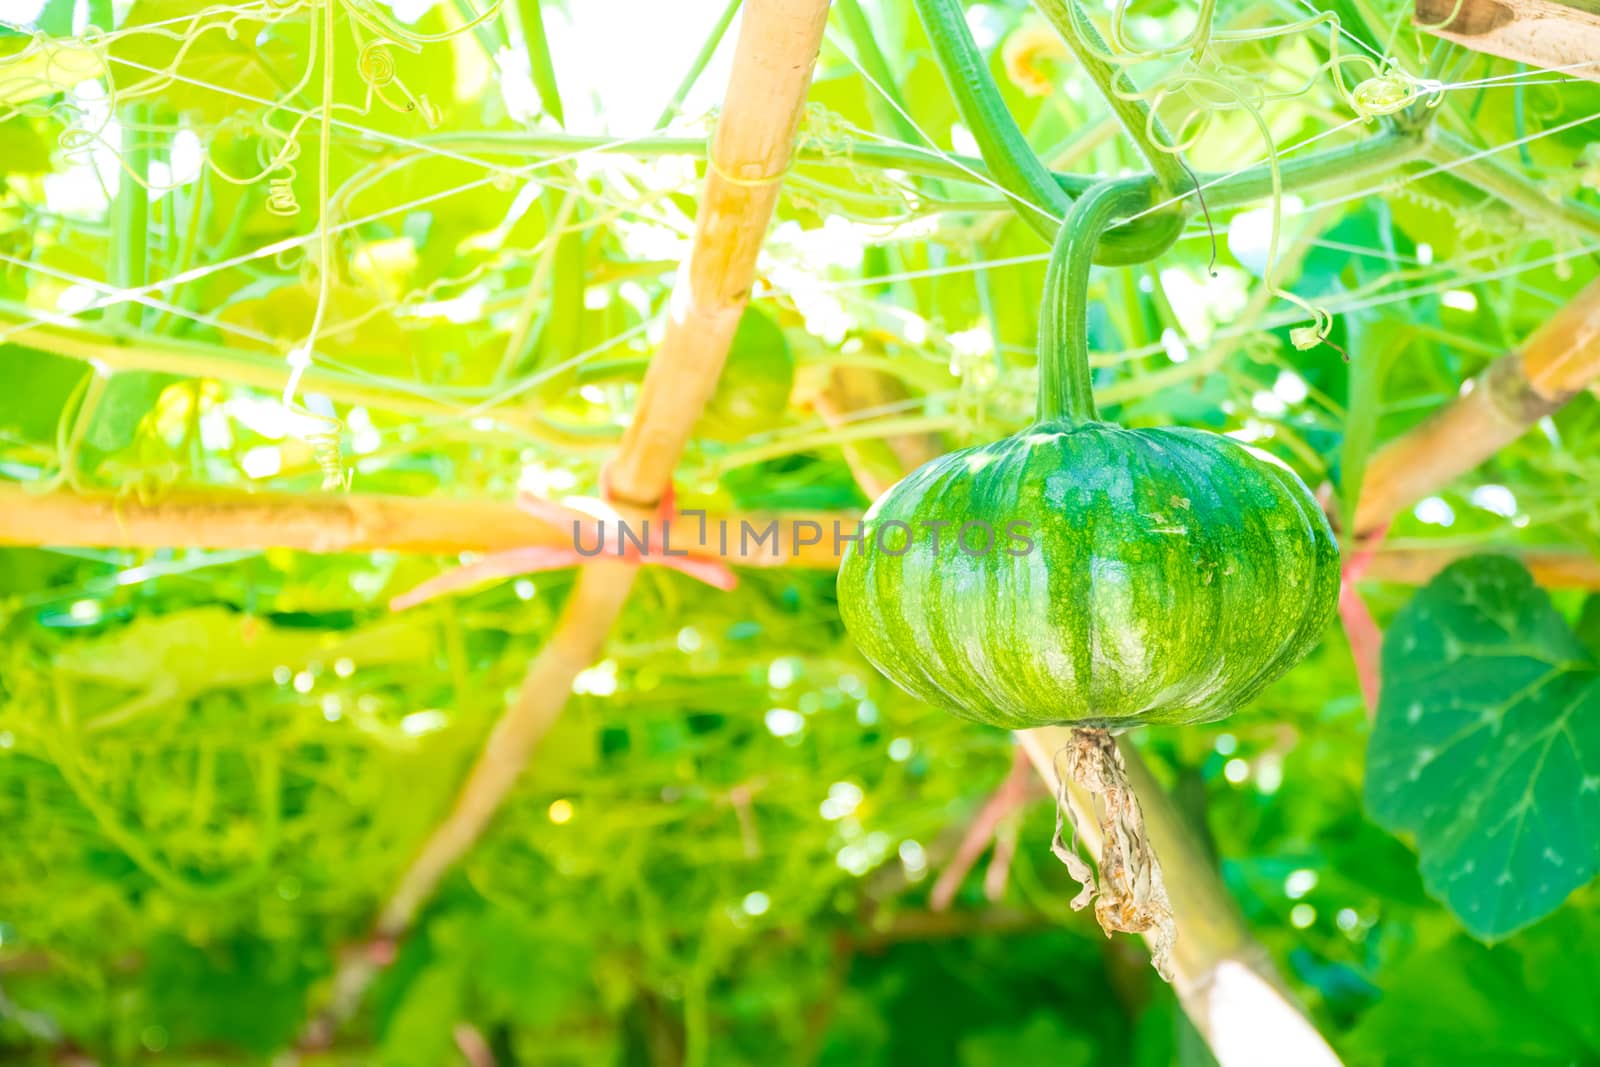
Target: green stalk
{"x": 1377, "y": 153}
{"x": 1419, "y": 113}
{"x": 697, "y": 66}
{"x": 131, "y": 214}
{"x": 125, "y": 350}
{"x": 1380, "y": 154}
{"x": 185, "y": 296}
{"x": 485, "y": 32}
{"x": 530, "y": 20}
{"x": 1090, "y": 48}
{"x": 1011, "y": 160}
{"x": 1449, "y": 151}
{"x": 1040, "y": 195}
{"x": 1066, "y": 392}
{"x": 889, "y": 106}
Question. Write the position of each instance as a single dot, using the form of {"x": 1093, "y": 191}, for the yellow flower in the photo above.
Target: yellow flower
{"x": 1022, "y": 52}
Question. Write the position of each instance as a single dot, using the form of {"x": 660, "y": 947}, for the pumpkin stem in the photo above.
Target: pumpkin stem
{"x": 1065, "y": 391}
{"x": 1129, "y": 893}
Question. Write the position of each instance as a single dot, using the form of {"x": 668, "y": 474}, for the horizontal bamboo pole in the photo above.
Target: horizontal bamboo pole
{"x": 365, "y": 522}
{"x": 1557, "y": 361}
{"x": 369, "y": 522}
{"x": 1553, "y": 568}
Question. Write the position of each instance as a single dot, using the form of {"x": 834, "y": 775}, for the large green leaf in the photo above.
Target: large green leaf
{"x": 217, "y": 66}
{"x": 1463, "y": 1005}
{"x": 46, "y": 380}
{"x": 128, "y": 398}
{"x": 1487, "y": 746}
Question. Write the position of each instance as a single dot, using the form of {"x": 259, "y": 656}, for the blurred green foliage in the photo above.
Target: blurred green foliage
{"x": 722, "y": 853}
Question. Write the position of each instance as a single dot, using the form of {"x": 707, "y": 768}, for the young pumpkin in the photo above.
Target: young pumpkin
{"x": 1085, "y": 574}
{"x": 752, "y": 390}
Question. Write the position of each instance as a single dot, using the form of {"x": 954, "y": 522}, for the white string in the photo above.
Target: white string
{"x": 981, "y": 179}
{"x": 110, "y": 35}
{"x": 1440, "y": 168}
{"x": 121, "y": 296}
{"x": 1531, "y": 73}
{"x": 1352, "y": 38}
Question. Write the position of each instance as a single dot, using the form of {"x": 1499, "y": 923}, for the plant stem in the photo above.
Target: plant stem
{"x": 530, "y": 21}
{"x": 122, "y": 351}
{"x": 1011, "y": 160}
{"x": 889, "y": 104}
{"x": 1484, "y": 172}
{"x": 131, "y": 212}
{"x": 1065, "y": 383}
{"x": 1378, "y": 153}
{"x": 697, "y": 65}
{"x": 1091, "y": 50}
{"x": 1346, "y": 163}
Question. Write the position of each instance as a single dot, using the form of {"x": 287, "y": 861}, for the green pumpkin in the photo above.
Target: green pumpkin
{"x": 1083, "y": 574}
{"x": 1107, "y": 577}
{"x": 753, "y": 391}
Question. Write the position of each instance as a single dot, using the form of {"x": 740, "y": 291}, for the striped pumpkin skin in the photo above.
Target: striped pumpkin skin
{"x": 1172, "y": 574}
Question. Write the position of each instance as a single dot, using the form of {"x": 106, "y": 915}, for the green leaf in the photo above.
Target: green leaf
{"x": 46, "y": 381}
{"x": 1487, "y": 746}
{"x": 1043, "y": 1040}
{"x": 55, "y": 18}
{"x": 27, "y": 150}
{"x": 1372, "y": 342}
{"x": 419, "y": 1031}
{"x": 218, "y": 63}
{"x": 531, "y": 20}
{"x": 1463, "y": 1005}
{"x": 1589, "y": 623}
{"x": 128, "y": 399}
{"x": 755, "y": 383}
{"x": 242, "y": 991}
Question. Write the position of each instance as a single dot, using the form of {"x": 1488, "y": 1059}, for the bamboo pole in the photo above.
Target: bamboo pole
{"x": 1553, "y": 568}
{"x": 1502, "y": 403}
{"x": 1224, "y": 979}
{"x": 365, "y": 522}
{"x": 777, "y": 48}
{"x": 369, "y": 522}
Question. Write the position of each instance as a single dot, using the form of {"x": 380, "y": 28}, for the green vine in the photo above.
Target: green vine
{"x": 1065, "y": 389}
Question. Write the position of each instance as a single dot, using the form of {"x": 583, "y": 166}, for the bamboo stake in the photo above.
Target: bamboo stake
{"x": 1553, "y": 568}
{"x": 1556, "y": 362}
{"x": 750, "y": 152}
{"x": 1225, "y": 981}
{"x": 776, "y": 51}
{"x": 364, "y": 522}
{"x": 368, "y": 522}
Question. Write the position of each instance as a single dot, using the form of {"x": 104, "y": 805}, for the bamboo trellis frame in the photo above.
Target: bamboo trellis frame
{"x": 773, "y": 60}
{"x": 775, "y": 54}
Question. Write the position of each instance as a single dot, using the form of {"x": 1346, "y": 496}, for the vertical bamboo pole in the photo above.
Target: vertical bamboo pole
{"x": 776, "y": 51}
{"x": 777, "y": 48}
{"x": 773, "y": 60}
{"x": 1556, "y": 362}
{"x": 1225, "y": 981}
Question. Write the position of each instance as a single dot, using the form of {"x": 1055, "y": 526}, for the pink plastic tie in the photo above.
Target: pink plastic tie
{"x": 605, "y": 534}
{"x": 1360, "y": 629}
